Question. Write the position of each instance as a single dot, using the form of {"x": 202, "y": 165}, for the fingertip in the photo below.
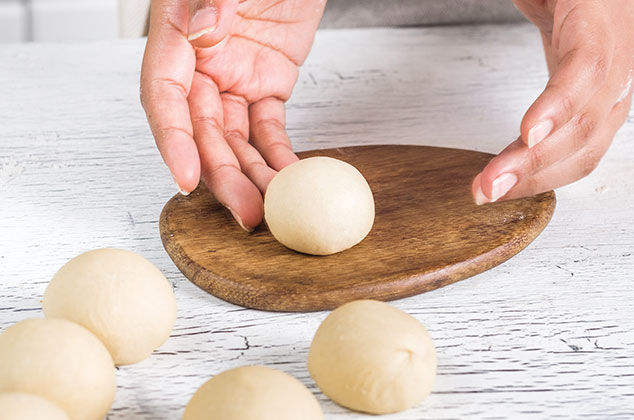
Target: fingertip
{"x": 502, "y": 185}
{"x": 284, "y": 159}
{"x": 291, "y": 158}
{"x": 476, "y": 191}
{"x": 530, "y": 119}
{"x": 487, "y": 176}
{"x": 538, "y": 122}
{"x": 490, "y": 175}
{"x": 538, "y": 132}
{"x": 247, "y": 209}
{"x": 209, "y": 25}
{"x": 489, "y": 188}
{"x": 267, "y": 178}
{"x": 239, "y": 195}
{"x": 536, "y": 126}
{"x": 238, "y": 219}
{"x": 188, "y": 178}
{"x": 511, "y": 160}
{"x": 182, "y": 158}
{"x": 180, "y": 154}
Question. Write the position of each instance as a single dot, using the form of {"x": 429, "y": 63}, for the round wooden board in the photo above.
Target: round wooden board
{"x": 428, "y": 233}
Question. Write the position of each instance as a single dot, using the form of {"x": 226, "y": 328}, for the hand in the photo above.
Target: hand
{"x": 589, "y": 48}
{"x": 215, "y": 101}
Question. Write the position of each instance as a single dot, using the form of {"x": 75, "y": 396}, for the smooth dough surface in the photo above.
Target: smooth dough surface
{"x": 253, "y": 393}
{"x": 319, "y": 206}
{"x": 61, "y": 362}
{"x": 119, "y": 296}
{"x": 372, "y": 357}
{"x": 20, "y": 406}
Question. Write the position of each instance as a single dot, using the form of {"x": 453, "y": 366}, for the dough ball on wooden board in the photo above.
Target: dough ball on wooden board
{"x": 20, "y": 406}
{"x": 369, "y": 356}
{"x": 119, "y": 296}
{"x": 253, "y": 393}
{"x": 60, "y": 361}
{"x": 319, "y": 206}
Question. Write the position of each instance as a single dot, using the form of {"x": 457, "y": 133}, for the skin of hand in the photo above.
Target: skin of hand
{"x": 215, "y": 77}
{"x": 589, "y": 48}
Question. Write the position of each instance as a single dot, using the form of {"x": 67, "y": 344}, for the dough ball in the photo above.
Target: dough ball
{"x": 20, "y": 406}
{"x": 319, "y": 206}
{"x": 61, "y": 362}
{"x": 253, "y": 393}
{"x": 372, "y": 357}
{"x": 119, "y": 296}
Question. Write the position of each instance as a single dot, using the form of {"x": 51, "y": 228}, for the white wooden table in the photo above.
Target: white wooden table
{"x": 549, "y": 334}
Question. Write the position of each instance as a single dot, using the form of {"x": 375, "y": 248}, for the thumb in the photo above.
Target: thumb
{"x": 210, "y": 21}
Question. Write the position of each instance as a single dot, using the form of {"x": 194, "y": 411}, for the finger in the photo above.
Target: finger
{"x": 517, "y": 161}
{"x": 578, "y": 165}
{"x": 476, "y": 191}
{"x": 585, "y": 48}
{"x": 220, "y": 168}
{"x": 267, "y": 122}
{"x": 574, "y": 167}
{"x": 572, "y": 137}
{"x": 168, "y": 65}
{"x": 563, "y": 173}
{"x": 210, "y": 21}
{"x": 236, "y": 120}
{"x": 522, "y": 162}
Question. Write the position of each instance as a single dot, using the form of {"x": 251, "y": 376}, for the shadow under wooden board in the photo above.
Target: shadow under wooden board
{"x": 428, "y": 233}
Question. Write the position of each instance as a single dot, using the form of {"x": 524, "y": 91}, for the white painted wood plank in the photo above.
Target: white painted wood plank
{"x": 12, "y": 21}
{"x": 547, "y": 335}
{"x": 133, "y": 16}
{"x": 74, "y": 20}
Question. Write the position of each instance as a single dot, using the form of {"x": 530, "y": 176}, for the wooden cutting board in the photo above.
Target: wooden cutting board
{"x": 428, "y": 233}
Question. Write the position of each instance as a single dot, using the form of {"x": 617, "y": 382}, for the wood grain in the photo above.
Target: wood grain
{"x": 547, "y": 335}
{"x": 428, "y": 233}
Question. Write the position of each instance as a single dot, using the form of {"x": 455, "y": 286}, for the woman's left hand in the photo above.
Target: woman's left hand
{"x": 589, "y": 49}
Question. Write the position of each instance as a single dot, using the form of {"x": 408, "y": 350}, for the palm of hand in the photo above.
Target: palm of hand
{"x": 236, "y": 100}
{"x": 261, "y": 55}
{"x": 217, "y": 113}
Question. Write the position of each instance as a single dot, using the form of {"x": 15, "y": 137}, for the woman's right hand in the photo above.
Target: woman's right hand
{"x": 214, "y": 81}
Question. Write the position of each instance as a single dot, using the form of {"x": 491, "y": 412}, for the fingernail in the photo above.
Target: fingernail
{"x": 239, "y": 220}
{"x": 502, "y": 185}
{"x": 203, "y": 22}
{"x": 539, "y": 132}
{"x": 182, "y": 191}
{"x": 480, "y": 198}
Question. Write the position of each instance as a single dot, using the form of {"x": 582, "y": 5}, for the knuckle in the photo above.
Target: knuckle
{"x": 589, "y": 161}
{"x": 235, "y": 134}
{"x": 567, "y": 104}
{"x": 537, "y": 160}
{"x": 586, "y": 126}
{"x": 600, "y": 66}
{"x": 622, "y": 108}
{"x": 219, "y": 171}
{"x": 533, "y": 184}
{"x": 269, "y": 123}
{"x": 168, "y": 131}
{"x": 156, "y": 88}
{"x": 279, "y": 145}
{"x": 255, "y": 165}
{"x": 208, "y": 122}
